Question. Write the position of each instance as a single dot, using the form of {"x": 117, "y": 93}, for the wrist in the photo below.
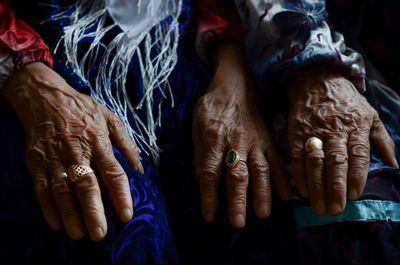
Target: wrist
{"x": 231, "y": 73}
{"x": 314, "y": 81}
{"x": 28, "y": 82}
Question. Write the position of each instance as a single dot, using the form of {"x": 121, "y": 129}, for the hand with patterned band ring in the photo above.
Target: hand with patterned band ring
{"x": 64, "y": 128}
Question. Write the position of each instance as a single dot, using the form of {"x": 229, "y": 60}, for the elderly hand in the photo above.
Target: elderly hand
{"x": 63, "y": 128}
{"x": 328, "y": 106}
{"x": 226, "y": 118}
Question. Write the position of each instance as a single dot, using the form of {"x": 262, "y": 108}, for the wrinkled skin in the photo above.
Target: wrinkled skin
{"x": 225, "y": 118}
{"x": 64, "y": 127}
{"x": 328, "y": 106}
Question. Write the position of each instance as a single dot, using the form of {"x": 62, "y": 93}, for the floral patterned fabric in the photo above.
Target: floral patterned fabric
{"x": 282, "y": 38}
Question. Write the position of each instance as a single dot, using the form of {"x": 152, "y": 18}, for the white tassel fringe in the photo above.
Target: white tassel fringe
{"x": 88, "y": 20}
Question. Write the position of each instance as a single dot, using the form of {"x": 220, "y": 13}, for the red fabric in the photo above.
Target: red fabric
{"x": 218, "y": 20}
{"x": 26, "y": 44}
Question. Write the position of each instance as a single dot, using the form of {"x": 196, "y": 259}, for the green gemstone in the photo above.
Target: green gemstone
{"x": 231, "y": 157}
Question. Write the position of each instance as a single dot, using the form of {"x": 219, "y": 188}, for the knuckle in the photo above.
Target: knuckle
{"x": 260, "y": 167}
{"x": 130, "y": 146}
{"x": 41, "y": 185}
{"x": 297, "y": 155}
{"x": 239, "y": 174}
{"x": 262, "y": 186}
{"x": 61, "y": 189}
{"x": 209, "y": 174}
{"x": 87, "y": 182}
{"x": 360, "y": 150}
{"x": 93, "y": 209}
{"x": 215, "y": 132}
{"x": 316, "y": 185}
{"x": 117, "y": 123}
{"x": 338, "y": 185}
{"x": 239, "y": 201}
{"x": 118, "y": 182}
{"x": 238, "y": 133}
{"x": 315, "y": 158}
{"x": 209, "y": 196}
{"x": 336, "y": 158}
{"x": 34, "y": 157}
{"x": 360, "y": 164}
{"x": 67, "y": 209}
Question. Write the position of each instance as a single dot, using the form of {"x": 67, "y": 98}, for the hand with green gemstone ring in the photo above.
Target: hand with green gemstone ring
{"x": 229, "y": 132}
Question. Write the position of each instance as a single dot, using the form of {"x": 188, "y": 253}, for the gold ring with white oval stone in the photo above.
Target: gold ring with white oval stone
{"x": 77, "y": 171}
{"x": 313, "y": 143}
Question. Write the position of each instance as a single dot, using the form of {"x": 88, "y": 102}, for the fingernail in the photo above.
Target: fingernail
{"x": 396, "y": 165}
{"x": 126, "y": 215}
{"x": 240, "y": 221}
{"x": 76, "y": 232}
{"x": 209, "y": 217}
{"x": 335, "y": 208}
{"x": 320, "y": 208}
{"x": 264, "y": 210}
{"x": 54, "y": 224}
{"x": 353, "y": 194}
{"x": 98, "y": 233}
{"x": 140, "y": 168}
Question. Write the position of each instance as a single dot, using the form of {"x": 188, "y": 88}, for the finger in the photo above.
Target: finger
{"x": 86, "y": 189}
{"x": 297, "y": 156}
{"x": 278, "y": 173}
{"x": 259, "y": 173}
{"x": 359, "y": 156}
{"x": 383, "y": 143}
{"x": 121, "y": 140}
{"x": 89, "y": 195}
{"x": 115, "y": 179}
{"x": 208, "y": 168}
{"x": 65, "y": 200}
{"x": 237, "y": 180}
{"x": 315, "y": 180}
{"x": 42, "y": 188}
{"x": 337, "y": 169}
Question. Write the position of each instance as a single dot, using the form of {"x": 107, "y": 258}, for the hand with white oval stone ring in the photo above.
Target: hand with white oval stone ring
{"x": 331, "y": 128}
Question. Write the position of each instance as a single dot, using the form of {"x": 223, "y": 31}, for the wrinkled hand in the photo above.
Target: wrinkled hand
{"x": 226, "y": 118}
{"x": 328, "y": 106}
{"x": 64, "y": 127}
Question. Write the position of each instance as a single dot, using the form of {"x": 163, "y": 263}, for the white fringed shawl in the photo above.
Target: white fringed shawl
{"x": 150, "y": 24}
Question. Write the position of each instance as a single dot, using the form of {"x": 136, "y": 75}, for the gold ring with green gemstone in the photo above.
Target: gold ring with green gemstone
{"x": 232, "y": 158}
